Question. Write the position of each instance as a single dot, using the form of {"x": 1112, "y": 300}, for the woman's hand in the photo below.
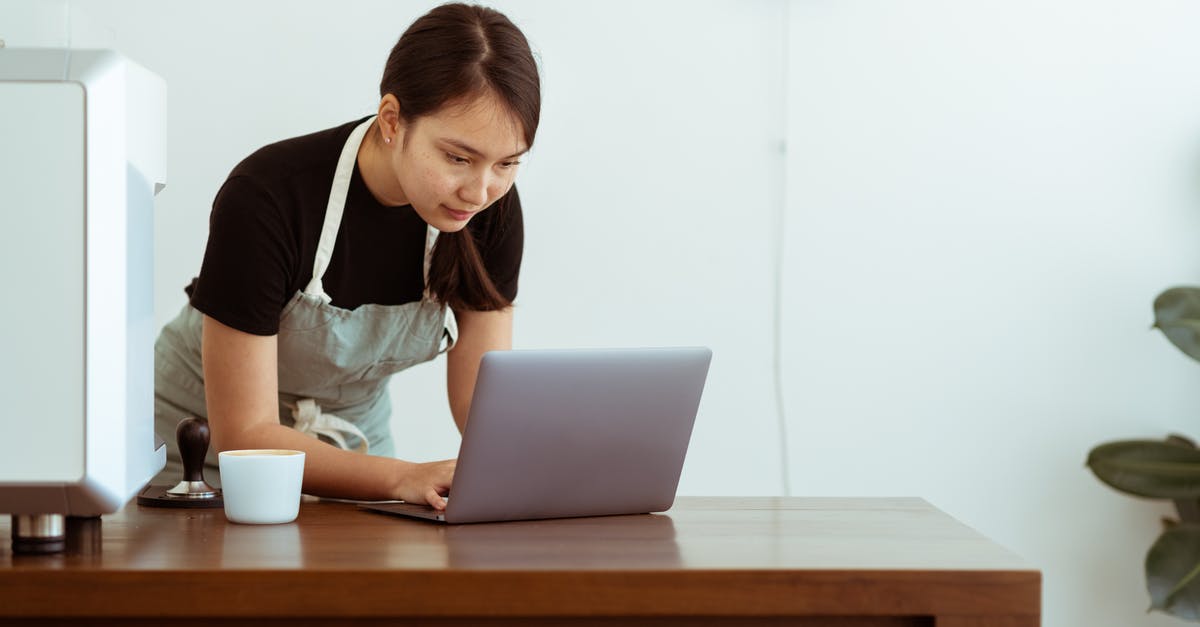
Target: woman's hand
{"x": 427, "y": 483}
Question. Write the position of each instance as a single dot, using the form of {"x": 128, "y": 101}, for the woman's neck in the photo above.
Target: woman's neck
{"x": 374, "y": 163}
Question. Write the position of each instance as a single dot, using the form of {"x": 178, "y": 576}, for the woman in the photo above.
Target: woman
{"x": 339, "y": 258}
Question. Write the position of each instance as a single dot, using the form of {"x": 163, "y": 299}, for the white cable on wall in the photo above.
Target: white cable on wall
{"x": 67, "y": 39}
{"x": 777, "y": 244}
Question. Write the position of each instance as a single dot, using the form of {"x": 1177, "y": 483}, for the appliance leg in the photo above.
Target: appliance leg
{"x": 38, "y": 533}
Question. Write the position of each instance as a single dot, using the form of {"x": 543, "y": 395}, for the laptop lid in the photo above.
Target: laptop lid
{"x": 563, "y": 433}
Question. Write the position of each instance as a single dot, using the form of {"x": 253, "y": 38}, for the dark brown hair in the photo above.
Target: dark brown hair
{"x": 453, "y": 53}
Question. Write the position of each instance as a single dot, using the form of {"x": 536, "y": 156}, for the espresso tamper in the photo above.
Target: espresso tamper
{"x": 192, "y": 435}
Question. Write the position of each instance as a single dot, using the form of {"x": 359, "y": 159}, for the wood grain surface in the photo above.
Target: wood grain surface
{"x": 708, "y": 561}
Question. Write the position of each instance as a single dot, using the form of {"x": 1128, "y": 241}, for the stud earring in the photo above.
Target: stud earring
{"x": 387, "y": 140}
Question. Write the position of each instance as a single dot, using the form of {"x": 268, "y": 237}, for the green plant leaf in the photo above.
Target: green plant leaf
{"x": 1181, "y": 440}
{"x": 1148, "y": 468}
{"x": 1177, "y": 315}
{"x": 1188, "y": 509}
{"x": 1173, "y": 572}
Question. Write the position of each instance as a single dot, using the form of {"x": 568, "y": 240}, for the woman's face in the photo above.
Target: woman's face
{"x": 456, "y": 162}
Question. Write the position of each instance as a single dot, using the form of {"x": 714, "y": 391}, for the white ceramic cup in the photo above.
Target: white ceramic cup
{"x": 261, "y": 486}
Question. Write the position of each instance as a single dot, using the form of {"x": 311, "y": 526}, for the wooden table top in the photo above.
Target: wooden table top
{"x": 803, "y": 549}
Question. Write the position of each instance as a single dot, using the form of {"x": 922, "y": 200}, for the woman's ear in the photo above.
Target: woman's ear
{"x": 391, "y": 125}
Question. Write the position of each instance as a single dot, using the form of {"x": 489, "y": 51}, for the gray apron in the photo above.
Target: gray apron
{"x": 334, "y": 363}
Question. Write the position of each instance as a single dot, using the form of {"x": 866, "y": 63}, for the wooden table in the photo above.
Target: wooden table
{"x": 708, "y": 561}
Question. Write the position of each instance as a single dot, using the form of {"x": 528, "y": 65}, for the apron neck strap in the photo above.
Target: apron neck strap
{"x": 335, "y": 208}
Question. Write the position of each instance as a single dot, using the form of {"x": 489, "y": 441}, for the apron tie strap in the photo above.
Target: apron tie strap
{"x": 317, "y": 288}
{"x": 450, "y": 332}
{"x": 310, "y": 421}
{"x": 450, "y": 325}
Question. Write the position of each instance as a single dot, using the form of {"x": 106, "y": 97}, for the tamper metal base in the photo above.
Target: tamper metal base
{"x": 160, "y": 496}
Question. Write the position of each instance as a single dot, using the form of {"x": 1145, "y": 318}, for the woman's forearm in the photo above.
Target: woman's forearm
{"x": 328, "y": 470}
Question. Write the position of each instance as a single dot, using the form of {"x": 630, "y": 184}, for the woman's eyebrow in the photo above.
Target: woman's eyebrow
{"x": 475, "y": 153}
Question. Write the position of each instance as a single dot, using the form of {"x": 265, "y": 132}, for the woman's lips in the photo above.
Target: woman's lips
{"x": 461, "y": 216}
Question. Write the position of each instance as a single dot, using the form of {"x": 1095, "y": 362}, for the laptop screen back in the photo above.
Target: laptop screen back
{"x": 558, "y": 433}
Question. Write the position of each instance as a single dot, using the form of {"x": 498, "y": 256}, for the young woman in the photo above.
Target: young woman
{"x": 339, "y": 258}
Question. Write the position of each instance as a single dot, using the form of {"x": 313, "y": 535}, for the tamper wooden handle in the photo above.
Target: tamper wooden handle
{"x": 192, "y": 437}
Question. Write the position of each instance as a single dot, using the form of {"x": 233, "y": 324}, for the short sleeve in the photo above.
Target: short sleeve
{"x": 249, "y": 262}
{"x": 503, "y": 244}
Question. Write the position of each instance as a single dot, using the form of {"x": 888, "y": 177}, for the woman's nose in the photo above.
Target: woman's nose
{"x": 474, "y": 191}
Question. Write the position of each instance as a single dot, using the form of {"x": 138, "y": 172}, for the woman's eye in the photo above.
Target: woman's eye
{"x": 510, "y": 164}
{"x": 455, "y": 158}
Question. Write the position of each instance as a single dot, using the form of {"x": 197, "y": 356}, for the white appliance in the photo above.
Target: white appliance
{"x": 82, "y": 155}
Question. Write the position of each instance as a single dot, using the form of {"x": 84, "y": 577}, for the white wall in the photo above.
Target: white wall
{"x": 979, "y": 202}
{"x": 648, "y": 192}
{"x": 984, "y": 199}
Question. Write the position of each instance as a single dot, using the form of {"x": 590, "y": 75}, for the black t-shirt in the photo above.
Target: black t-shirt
{"x": 266, "y": 222}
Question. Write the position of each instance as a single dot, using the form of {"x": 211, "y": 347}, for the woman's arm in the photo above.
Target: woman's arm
{"x": 241, "y": 388}
{"x": 478, "y": 333}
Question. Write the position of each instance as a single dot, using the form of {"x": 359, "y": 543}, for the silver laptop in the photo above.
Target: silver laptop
{"x": 564, "y": 433}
